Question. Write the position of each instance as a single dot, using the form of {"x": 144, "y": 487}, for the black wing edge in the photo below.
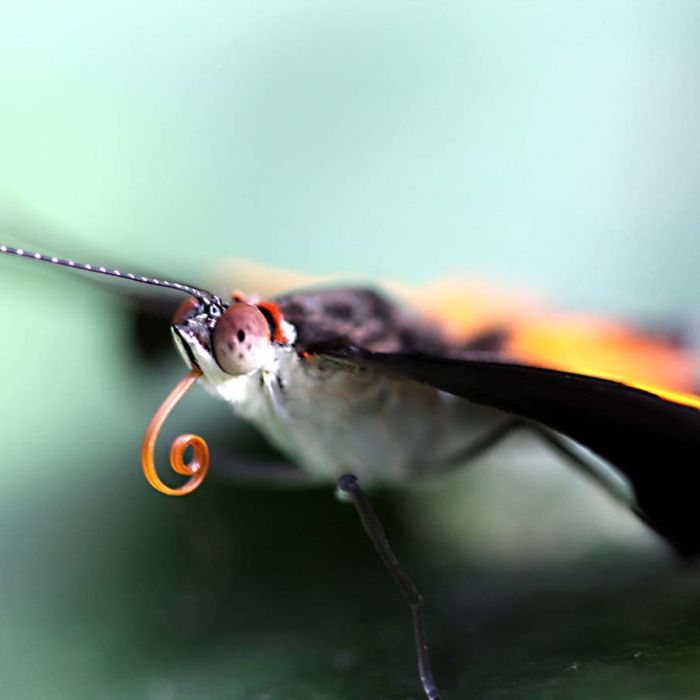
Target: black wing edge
{"x": 654, "y": 442}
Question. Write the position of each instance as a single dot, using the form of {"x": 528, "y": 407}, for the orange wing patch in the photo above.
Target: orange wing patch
{"x": 569, "y": 342}
{"x": 602, "y": 348}
{"x": 466, "y": 308}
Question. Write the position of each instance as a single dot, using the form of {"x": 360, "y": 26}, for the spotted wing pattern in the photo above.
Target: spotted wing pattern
{"x": 361, "y": 317}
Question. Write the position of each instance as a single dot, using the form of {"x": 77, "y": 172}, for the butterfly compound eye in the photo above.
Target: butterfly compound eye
{"x": 240, "y": 338}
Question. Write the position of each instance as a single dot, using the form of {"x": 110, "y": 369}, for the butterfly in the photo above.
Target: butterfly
{"x": 359, "y": 390}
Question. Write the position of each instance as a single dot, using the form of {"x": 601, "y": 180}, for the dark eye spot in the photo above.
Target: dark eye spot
{"x": 241, "y": 335}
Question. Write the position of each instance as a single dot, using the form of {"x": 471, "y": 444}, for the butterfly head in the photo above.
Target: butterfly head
{"x": 220, "y": 341}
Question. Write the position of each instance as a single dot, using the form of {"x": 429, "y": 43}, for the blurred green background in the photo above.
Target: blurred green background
{"x": 548, "y": 146}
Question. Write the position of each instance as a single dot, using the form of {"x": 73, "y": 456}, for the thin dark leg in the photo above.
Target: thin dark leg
{"x": 480, "y": 446}
{"x": 494, "y": 437}
{"x": 613, "y": 489}
{"x": 348, "y": 488}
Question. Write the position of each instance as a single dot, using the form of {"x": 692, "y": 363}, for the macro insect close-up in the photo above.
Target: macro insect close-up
{"x": 435, "y": 437}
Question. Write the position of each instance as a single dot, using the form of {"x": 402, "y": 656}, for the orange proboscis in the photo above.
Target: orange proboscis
{"x": 197, "y": 467}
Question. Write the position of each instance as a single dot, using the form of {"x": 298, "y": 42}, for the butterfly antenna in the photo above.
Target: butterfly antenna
{"x": 200, "y": 294}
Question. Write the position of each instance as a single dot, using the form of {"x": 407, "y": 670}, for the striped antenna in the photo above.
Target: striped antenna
{"x": 200, "y": 294}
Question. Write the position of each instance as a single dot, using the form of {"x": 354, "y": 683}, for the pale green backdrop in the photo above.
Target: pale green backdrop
{"x": 552, "y": 146}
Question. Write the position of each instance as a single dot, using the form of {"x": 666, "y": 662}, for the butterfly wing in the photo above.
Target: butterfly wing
{"x": 654, "y": 441}
{"x": 479, "y": 316}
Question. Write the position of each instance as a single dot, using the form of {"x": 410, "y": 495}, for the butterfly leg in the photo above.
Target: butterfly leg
{"x": 348, "y": 489}
{"x": 586, "y": 466}
{"x": 613, "y": 487}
